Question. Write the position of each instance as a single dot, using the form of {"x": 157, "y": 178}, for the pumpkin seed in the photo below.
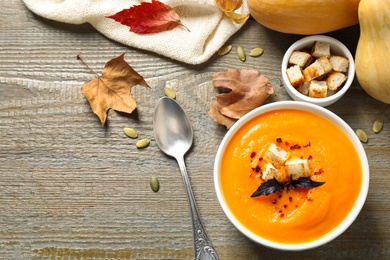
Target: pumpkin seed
{"x": 241, "y": 53}
{"x": 154, "y": 184}
{"x": 377, "y": 126}
{"x": 142, "y": 143}
{"x": 130, "y": 132}
{"x": 170, "y": 93}
{"x": 256, "y": 52}
{"x": 224, "y": 50}
{"x": 361, "y": 135}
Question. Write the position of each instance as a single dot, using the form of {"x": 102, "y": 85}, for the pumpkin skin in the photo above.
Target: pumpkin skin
{"x": 304, "y": 16}
{"x": 373, "y": 50}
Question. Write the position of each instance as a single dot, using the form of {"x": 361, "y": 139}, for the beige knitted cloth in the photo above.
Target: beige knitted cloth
{"x": 209, "y": 27}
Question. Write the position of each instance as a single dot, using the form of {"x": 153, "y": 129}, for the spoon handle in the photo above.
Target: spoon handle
{"x": 203, "y": 247}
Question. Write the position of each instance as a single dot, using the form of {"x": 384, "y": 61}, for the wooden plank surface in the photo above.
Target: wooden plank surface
{"x": 71, "y": 189}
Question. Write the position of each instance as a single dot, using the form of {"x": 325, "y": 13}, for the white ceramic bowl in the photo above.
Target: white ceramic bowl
{"x": 337, "y": 48}
{"x": 348, "y": 220}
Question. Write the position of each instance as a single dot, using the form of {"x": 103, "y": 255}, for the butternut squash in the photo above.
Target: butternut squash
{"x": 373, "y": 50}
{"x": 304, "y": 16}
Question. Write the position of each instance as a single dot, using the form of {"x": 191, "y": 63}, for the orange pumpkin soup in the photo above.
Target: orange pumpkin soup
{"x": 296, "y": 215}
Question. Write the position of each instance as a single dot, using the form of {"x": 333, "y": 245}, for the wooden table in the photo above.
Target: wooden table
{"x": 72, "y": 189}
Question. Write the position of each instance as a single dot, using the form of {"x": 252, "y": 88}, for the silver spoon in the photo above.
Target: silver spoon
{"x": 174, "y": 135}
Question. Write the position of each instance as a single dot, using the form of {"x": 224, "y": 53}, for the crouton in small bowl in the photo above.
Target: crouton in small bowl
{"x": 317, "y": 69}
{"x": 281, "y": 176}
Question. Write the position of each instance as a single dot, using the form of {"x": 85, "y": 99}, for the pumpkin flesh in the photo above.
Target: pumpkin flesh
{"x": 304, "y": 17}
{"x": 373, "y": 49}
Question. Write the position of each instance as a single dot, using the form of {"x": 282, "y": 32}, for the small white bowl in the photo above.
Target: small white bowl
{"x": 337, "y": 48}
{"x": 323, "y": 112}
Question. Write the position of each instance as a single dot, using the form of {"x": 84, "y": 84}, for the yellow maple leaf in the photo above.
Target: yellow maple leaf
{"x": 111, "y": 90}
{"x": 229, "y": 6}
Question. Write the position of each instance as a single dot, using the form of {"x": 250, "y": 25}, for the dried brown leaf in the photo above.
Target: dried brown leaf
{"x": 248, "y": 89}
{"x": 229, "y": 6}
{"x": 112, "y": 88}
{"x": 219, "y": 118}
{"x": 237, "y": 18}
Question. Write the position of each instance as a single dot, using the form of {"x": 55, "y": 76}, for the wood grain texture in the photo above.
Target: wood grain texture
{"x": 71, "y": 189}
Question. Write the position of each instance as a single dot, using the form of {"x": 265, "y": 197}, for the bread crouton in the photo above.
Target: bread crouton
{"x": 297, "y": 168}
{"x": 339, "y": 63}
{"x": 271, "y": 172}
{"x": 304, "y": 88}
{"x": 276, "y": 155}
{"x": 318, "y": 89}
{"x": 325, "y": 63}
{"x": 313, "y": 71}
{"x": 300, "y": 58}
{"x": 295, "y": 76}
{"x": 320, "y": 49}
{"x": 335, "y": 80}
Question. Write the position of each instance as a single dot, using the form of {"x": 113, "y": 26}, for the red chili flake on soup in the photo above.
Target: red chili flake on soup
{"x": 253, "y": 154}
{"x": 295, "y": 146}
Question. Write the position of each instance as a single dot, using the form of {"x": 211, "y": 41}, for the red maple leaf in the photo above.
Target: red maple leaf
{"x": 148, "y": 18}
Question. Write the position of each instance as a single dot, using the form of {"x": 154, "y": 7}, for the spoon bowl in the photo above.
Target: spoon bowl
{"x": 172, "y": 128}
{"x": 174, "y": 136}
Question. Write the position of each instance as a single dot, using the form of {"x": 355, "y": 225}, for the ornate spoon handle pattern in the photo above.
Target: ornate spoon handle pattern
{"x": 202, "y": 243}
